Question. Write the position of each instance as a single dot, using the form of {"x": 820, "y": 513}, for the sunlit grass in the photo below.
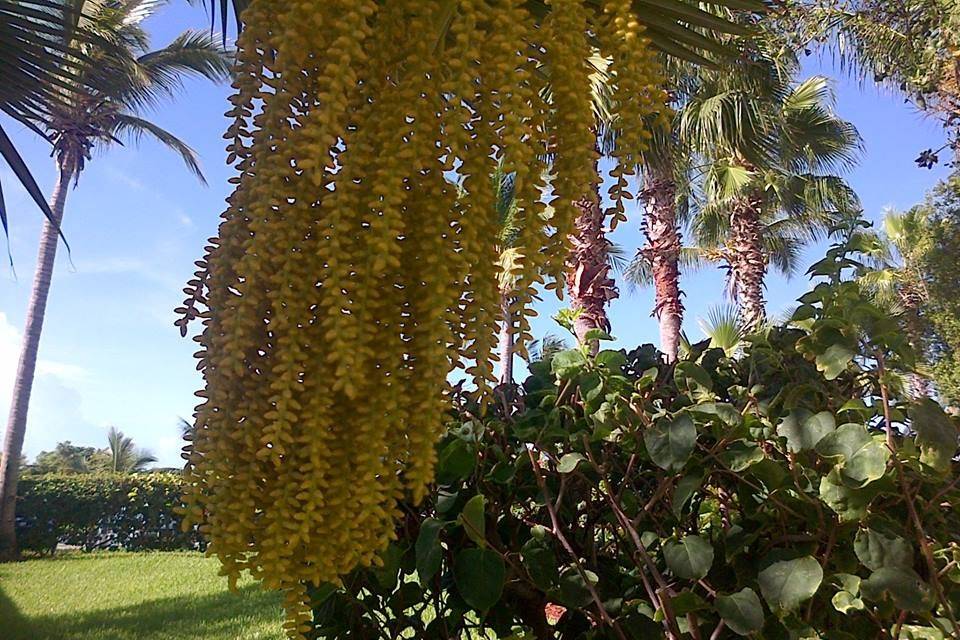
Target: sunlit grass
{"x": 126, "y": 596}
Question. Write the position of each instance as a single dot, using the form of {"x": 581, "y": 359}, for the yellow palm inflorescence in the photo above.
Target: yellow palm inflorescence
{"x": 356, "y": 266}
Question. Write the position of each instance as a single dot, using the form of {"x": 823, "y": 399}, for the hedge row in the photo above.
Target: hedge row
{"x": 102, "y": 511}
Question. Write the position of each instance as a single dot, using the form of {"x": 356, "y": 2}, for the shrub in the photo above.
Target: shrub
{"x": 790, "y": 492}
{"x": 101, "y": 511}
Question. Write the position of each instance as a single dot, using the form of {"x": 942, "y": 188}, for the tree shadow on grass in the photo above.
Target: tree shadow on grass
{"x": 251, "y": 614}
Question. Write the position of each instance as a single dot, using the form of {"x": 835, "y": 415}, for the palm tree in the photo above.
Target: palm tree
{"x": 768, "y": 187}
{"x": 721, "y": 328}
{"x": 910, "y": 47}
{"x": 896, "y": 279}
{"x": 36, "y": 57}
{"x": 100, "y": 108}
{"x": 124, "y": 456}
{"x": 506, "y": 207}
{"x": 667, "y": 169}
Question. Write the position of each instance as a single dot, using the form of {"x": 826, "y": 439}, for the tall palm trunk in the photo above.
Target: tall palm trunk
{"x": 748, "y": 263}
{"x": 505, "y": 348}
{"x": 920, "y": 386}
{"x": 663, "y": 253}
{"x": 17, "y": 422}
{"x": 588, "y": 270}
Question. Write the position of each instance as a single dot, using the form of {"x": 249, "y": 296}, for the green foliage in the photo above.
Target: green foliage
{"x": 120, "y": 456}
{"x": 102, "y": 511}
{"x": 942, "y": 280}
{"x": 66, "y": 457}
{"x": 716, "y": 498}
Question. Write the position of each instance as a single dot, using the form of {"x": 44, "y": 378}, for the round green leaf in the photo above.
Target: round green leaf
{"x": 740, "y": 455}
{"x": 741, "y": 611}
{"x": 690, "y": 558}
{"x": 693, "y": 379}
{"x": 670, "y": 442}
{"x": 568, "y": 363}
{"x": 862, "y": 457}
{"x": 904, "y": 587}
{"x": 849, "y": 504}
{"x": 569, "y": 462}
{"x": 876, "y": 550}
{"x": 785, "y": 585}
{"x": 610, "y": 359}
{"x": 803, "y": 431}
{"x": 455, "y": 462}
{"x": 541, "y": 563}
{"x": 936, "y": 435}
{"x": 479, "y": 575}
{"x": 574, "y": 589}
{"x": 834, "y": 360}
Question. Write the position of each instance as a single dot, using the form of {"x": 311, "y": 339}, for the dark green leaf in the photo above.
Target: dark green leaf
{"x": 834, "y": 360}
{"x": 566, "y": 364}
{"x": 741, "y": 611}
{"x": 936, "y": 434}
{"x": 877, "y": 551}
{"x": 849, "y": 504}
{"x": 740, "y": 455}
{"x": 541, "y": 564}
{"x": 686, "y": 488}
{"x": 904, "y": 587}
{"x": 671, "y": 441}
{"x": 613, "y": 360}
{"x": 479, "y": 575}
{"x": 862, "y": 457}
{"x": 690, "y": 558}
{"x": 573, "y": 587}
{"x": 804, "y": 430}
{"x": 429, "y": 553}
{"x": 787, "y": 584}
{"x": 455, "y": 462}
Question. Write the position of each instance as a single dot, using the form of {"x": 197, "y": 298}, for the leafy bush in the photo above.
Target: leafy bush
{"x": 102, "y": 511}
{"x": 790, "y": 492}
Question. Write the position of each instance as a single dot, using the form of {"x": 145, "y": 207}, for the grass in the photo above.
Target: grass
{"x": 131, "y": 596}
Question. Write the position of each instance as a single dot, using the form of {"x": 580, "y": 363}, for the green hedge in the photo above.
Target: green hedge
{"x": 102, "y": 511}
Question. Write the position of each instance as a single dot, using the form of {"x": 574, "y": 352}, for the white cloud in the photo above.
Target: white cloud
{"x": 55, "y": 411}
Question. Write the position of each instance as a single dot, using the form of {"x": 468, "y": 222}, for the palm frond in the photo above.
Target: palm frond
{"x": 722, "y": 326}
{"x": 135, "y": 128}
{"x": 37, "y": 60}
{"x": 191, "y": 53}
{"x": 545, "y": 348}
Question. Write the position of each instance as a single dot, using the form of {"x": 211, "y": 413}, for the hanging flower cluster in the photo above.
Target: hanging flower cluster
{"x": 357, "y": 266}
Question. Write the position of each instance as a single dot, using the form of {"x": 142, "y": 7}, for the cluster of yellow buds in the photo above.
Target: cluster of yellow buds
{"x": 356, "y": 266}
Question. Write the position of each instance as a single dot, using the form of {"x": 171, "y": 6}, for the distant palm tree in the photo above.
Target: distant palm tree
{"x": 722, "y": 328}
{"x": 771, "y": 189}
{"x": 545, "y": 348}
{"x": 97, "y": 110}
{"x": 510, "y": 258}
{"x": 124, "y": 456}
{"x": 896, "y": 279}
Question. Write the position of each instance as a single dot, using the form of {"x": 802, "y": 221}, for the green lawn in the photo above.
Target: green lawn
{"x": 131, "y": 596}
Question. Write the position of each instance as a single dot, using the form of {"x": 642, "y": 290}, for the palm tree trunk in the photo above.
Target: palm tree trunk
{"x": 505, "y": 348}
{"x": 663, "y": 253}
{"x": 588, "y": 270}
{"x": 23, "y": 384}
{"x": 920, "y": 386}
{"x": 748, "y": 263}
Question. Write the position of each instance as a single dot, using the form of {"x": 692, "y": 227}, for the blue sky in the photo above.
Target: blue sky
{"x": 110, "y": 354}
